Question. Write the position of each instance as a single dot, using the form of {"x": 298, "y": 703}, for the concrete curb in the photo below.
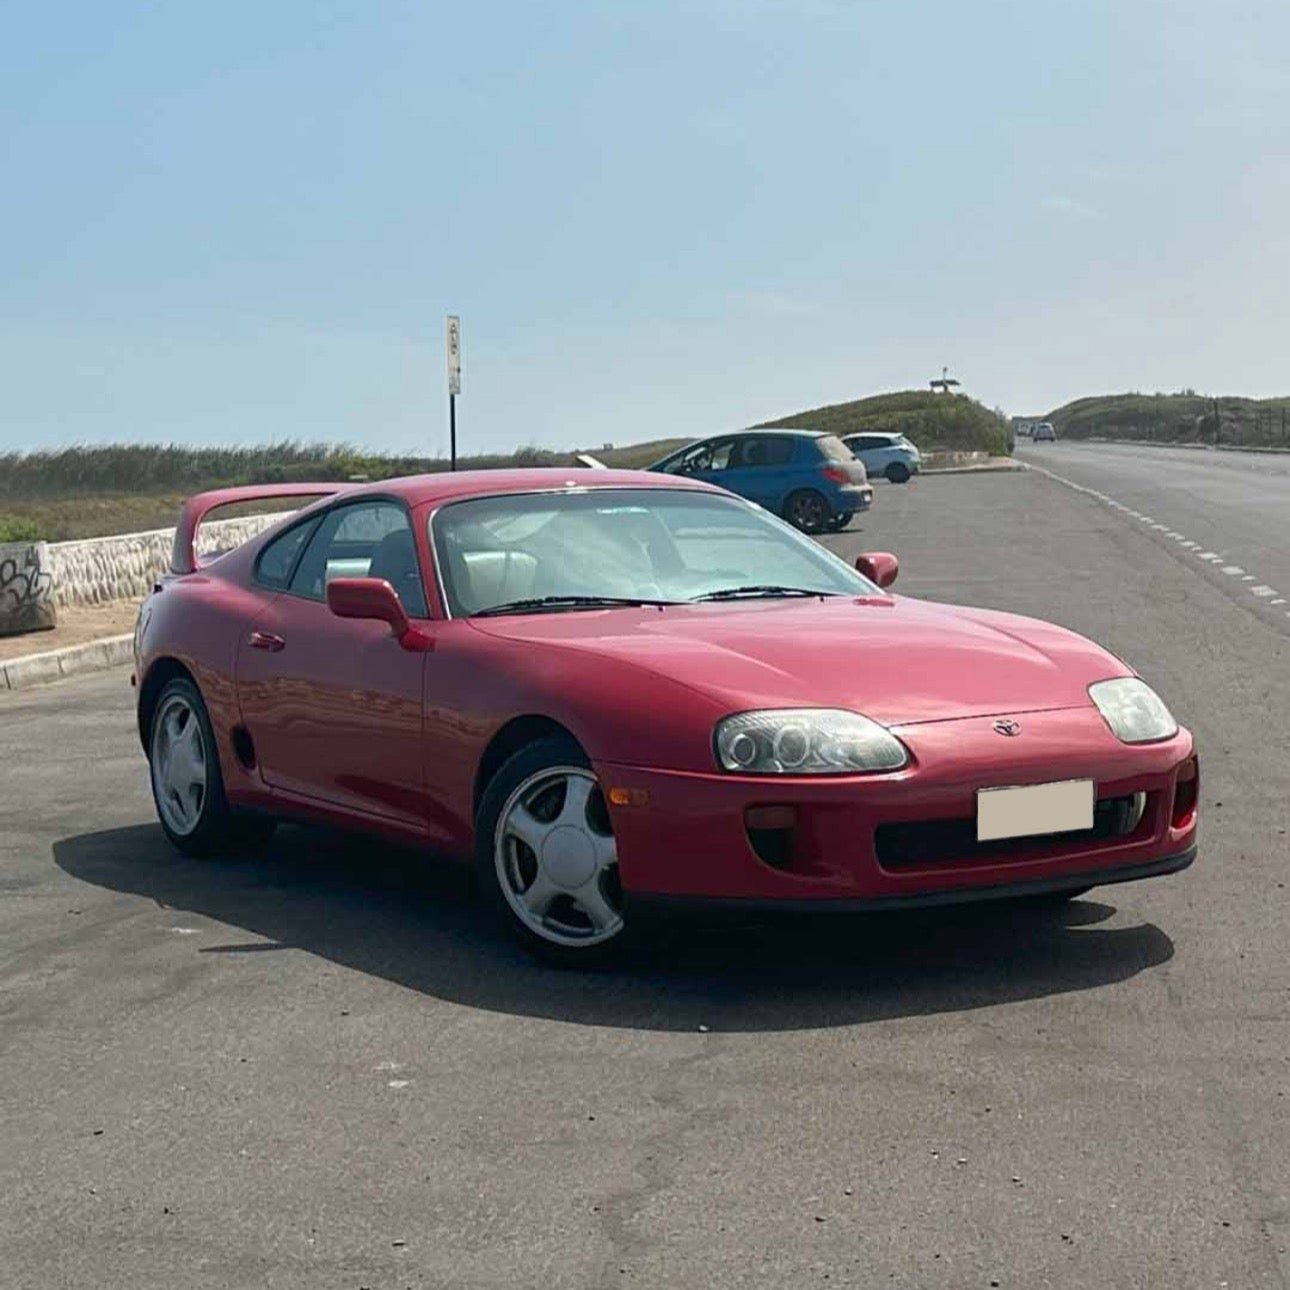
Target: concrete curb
{"x": 1006, "y": 464}
{"x": 54, "y": 664}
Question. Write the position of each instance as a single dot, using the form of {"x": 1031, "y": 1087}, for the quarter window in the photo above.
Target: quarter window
{"x": 363, "y": 540}
{"x": 276, "y": 561}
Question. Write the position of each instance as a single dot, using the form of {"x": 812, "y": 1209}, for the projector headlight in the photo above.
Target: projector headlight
{"x": 806, "y": 741}
{"x": 1133, "y": 710}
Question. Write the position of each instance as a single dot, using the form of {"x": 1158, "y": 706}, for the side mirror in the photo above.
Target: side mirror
{"x": 878, "y": 566}
{"x": 368, "y": 598}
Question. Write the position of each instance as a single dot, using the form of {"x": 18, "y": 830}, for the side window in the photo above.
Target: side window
{"x": 363, "y": 540}
{"x": 719, "y": 458}
{"x": 779, "y": 452}
{"x": 714, "y": 454}
{"x": 276, "y": 561}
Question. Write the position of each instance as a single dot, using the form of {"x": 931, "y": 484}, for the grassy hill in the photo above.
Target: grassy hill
{"x": 121, "y": 488}
{"x": 951, "y": 422}
{"x": 1186, "y": 417}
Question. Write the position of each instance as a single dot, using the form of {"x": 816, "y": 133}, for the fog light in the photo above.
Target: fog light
{"x": 1186, "y": 794}
{"x": 770, "y": 817}
{"x": 770, "y": 833}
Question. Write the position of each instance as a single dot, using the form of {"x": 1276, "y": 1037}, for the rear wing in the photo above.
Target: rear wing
{"x": 183, "y": 558}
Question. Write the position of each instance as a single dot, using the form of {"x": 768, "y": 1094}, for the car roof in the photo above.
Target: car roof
{"x": 445, "y": 486}
{"x": 797, "y": 431}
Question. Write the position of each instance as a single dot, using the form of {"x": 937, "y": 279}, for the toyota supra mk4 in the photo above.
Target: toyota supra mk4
{"x": 610, "y": 689}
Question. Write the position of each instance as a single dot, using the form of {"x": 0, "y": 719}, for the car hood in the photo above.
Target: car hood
{"x": 897, "y": 660}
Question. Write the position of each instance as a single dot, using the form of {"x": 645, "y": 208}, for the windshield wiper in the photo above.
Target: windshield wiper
{"x": 762, "y": 592}
{"x": 539, "y": 604}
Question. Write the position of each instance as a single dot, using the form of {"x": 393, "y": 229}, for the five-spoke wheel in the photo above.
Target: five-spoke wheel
{"x": 186, "y": 782}
{"x": 807, "y": 510}
{"x": 547, "y": 853}
{"x": 179, "y": 764}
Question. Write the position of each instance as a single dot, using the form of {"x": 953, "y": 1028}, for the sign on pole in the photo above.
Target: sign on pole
{"x": 454, "y": 354}
{"x": 452, "y": 339}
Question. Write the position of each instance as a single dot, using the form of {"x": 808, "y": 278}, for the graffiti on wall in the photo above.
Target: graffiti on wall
{"x": 26, "y": 599}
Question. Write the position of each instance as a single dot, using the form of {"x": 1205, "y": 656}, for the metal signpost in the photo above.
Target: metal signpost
{"x": 453, "y": 339}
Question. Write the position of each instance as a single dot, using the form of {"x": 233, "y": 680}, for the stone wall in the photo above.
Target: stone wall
{"x": 98, "y": 570}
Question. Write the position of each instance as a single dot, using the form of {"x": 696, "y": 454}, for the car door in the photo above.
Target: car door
{"x": 333, "y": 706}
{"x": 863, "y": 448}
{"x": 762, "y": 469}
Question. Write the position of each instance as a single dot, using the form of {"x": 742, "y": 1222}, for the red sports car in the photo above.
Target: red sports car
{"x": 608, "y": 687}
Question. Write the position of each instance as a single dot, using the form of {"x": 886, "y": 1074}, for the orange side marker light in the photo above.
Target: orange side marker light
{"x": 628, "y": 797}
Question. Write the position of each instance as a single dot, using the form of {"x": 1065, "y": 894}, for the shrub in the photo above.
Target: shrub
{"x": 15, "y": 529}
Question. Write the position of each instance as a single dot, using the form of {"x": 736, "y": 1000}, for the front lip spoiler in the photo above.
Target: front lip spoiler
{"x": 923, "y": 900}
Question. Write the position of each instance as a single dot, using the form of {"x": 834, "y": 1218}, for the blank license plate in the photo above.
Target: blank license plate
{"x": 1036, "y": 808}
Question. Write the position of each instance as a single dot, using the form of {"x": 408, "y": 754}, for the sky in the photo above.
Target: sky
{"x": 241, "y": 222}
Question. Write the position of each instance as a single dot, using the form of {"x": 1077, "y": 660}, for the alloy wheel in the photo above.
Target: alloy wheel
{"x": 179, "y": 770}
{"x": 556, "y": 861}
{"x": 808, "y": 512}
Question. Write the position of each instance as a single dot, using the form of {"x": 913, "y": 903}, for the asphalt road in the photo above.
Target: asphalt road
{"x": 1226, "y": 512}
{"x": 323, "y": 1068}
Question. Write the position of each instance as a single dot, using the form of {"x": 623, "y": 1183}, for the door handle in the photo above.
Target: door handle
{"x": 266, "y": 640}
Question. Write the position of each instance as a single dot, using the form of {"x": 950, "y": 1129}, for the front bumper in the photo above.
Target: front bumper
{"x": 691, "y": 838}
{"x": 926, "y": 899}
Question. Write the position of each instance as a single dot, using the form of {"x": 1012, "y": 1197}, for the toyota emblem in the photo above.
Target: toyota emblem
{"x": 1006, "y": 726}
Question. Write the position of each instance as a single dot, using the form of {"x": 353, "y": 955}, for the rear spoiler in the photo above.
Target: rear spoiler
{"x": 183, "y": 558}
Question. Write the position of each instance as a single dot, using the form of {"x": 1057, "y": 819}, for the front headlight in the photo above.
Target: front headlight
{"x": 806, "y": 741}
{"x": 1133, "y": 710}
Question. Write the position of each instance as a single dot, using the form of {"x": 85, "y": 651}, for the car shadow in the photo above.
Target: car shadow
{"x": 391, "y": 913}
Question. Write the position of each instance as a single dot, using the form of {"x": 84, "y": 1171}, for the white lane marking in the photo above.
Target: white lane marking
{"x": 399, "y": 1083}
{"x": 1262, "y": 591}
{"x": 187, "y": 931}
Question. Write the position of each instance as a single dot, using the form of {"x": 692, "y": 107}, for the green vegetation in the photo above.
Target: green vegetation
{"x": 122, "y": 488}
{"x": 16, "y": 528}
{"x": 949, "y": 422}
{"x": 1186, "y": 417}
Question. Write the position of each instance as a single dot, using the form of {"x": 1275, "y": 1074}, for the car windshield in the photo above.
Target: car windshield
{"x": 543, "y": 552}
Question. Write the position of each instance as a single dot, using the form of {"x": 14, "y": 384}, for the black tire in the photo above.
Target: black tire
{"x": 494, "y": 862}
{"x": 807, "y": 510}
{"x": 897, "y": 472}
{"x": 215, "y": 827}
{"x": 839, "y": 522}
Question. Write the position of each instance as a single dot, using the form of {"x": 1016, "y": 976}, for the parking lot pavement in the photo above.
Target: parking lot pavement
{"x": 323, "y": 1068}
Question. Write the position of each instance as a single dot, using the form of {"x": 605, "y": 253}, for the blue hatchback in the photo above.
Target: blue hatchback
{"x": 808, "y": 477}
